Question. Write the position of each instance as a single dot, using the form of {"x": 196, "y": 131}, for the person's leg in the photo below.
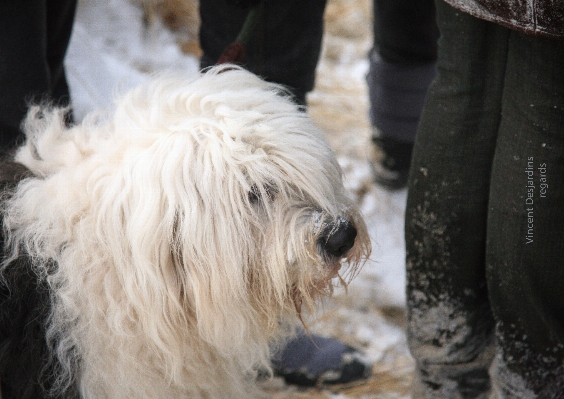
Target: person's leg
{"x": 220, "y": 24}
{"x": 33, "y": 41}
{"x": 450, "y": 325}
{"x": 60, "y": 20}
{"x": 525, "y": 247}
{"x": 285, "y": 48}
{"x": 24, "y": 72}
{"x": 402, "y": 65}
{"x": 405, "y": 31}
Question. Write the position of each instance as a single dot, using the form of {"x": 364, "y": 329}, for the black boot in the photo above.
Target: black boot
{"x": 311, "y": 360}
{"x": 391, "y": 169}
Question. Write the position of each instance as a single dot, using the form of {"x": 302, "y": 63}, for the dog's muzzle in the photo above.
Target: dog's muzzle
{"x": 338, "y": 238}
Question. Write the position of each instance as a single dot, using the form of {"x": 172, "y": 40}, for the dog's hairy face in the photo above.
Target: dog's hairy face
{"x": 214, "y": 206}
{"x": 243, "y": 189}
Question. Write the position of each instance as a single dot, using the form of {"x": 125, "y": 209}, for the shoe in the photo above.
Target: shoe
{"x": 390, "y": 169}
{"x": 310, "y": 360}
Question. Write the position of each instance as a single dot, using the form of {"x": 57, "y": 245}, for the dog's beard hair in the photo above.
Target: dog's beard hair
{"x": 161, "y": 265}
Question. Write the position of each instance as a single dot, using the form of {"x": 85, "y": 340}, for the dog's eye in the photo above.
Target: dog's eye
{"x": 256, "y": 196}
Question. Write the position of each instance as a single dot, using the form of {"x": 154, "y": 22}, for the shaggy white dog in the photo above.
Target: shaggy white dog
{"x": 174, "y": 240}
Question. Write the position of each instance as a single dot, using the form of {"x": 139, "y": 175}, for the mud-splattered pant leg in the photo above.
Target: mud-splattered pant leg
{"x": 525, "y": 244}
{"x": 497, "y": 100}
{"x": 450, "y": 325}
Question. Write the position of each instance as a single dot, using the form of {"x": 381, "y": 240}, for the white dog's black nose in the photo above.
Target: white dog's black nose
{"x": 337, "y": 239}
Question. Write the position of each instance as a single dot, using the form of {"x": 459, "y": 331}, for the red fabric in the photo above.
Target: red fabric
{"x": 234, "y": 53}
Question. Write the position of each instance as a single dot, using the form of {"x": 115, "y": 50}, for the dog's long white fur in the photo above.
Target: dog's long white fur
{"x": 168, "y": 280}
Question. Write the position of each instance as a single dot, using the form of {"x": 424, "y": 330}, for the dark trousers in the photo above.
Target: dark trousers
{"x": 34, "y": 35}
{"x": 405, "y": 31}
{"x": 484, "y": 218}
{"x": 402, "y": 65}
{"x": 284, "y": 48}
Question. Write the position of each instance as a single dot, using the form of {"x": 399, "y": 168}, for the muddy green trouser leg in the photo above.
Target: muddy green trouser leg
{"x": 477, "y": 288}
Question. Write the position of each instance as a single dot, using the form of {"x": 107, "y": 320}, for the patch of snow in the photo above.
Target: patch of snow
{"x": 113, "y": 49}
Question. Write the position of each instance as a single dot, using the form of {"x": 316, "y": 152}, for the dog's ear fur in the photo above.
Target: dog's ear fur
{"x": 49, "y": 144}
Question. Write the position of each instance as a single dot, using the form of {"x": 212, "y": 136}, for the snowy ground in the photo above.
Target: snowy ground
{"x": 114, "y": 47}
